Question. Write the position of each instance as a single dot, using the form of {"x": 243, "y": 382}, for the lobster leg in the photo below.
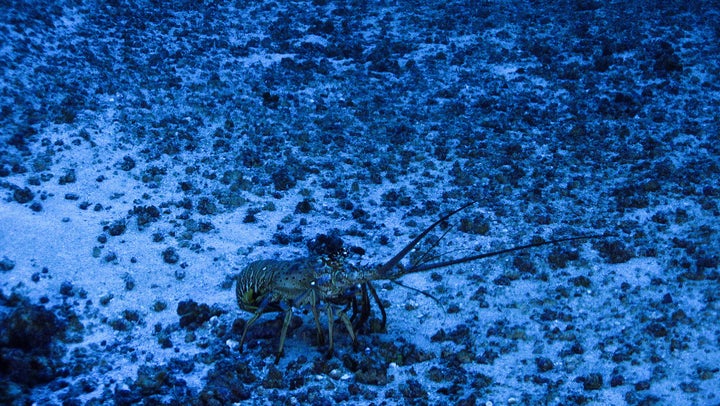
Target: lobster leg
{"x": 329, "y": 353}
{"x": 375, "y": 296}
{"x": 283, "y": 333}
{"x": 348, "y": 325}
{"x": 247, "y": 325}
{"x": 260, "y": 310}
{"x": 316, "y": 316}
{"x": 364, "y": 308}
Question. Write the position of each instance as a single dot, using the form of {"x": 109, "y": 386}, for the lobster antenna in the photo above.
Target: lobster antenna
{"x": 424, "y": 258}
{"x": 394, "y": 261}
{"x": 422, "y": 292}
{"x": 443, "y": 264}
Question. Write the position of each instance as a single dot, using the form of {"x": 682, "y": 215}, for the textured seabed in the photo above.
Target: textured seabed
{"x": 150, "y": 150}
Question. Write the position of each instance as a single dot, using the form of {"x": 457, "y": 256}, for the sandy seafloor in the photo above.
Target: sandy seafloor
{"x": 149, "y": 150}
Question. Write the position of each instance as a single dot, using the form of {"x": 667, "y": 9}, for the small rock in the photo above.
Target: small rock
{"x": 592, "y": 381}
{"x": 127, "y": 163}
{"x": 150, "y": 380}
{"x": 68, "y": 177}
{"x": 657, "y": 330}
{"x": 642, "y": 385}
{"x": 6, "y": 264}
{"x": 66, "y": 289}
{"x": 159, "y": 305}
{"x": 105, "y": 299}
{"x": 412, "y": 389}
{"x": 129, "y": 282}
{"x": 170, "y": 256}
{"x": 616, "y": 252}
{"x": 688, "y": 387}
{"x": 581, "y": 281}
{"x": 303, "y": 207}
{"x": 273, "y": 379}
{"x": 192, "y": 314}
{"x": 544, "y": 364}
{"x": 117, "y": 228}
{"x": 282, "y": 180}
{"x": 23, "y": 196}
{"x": 206, "y": 206}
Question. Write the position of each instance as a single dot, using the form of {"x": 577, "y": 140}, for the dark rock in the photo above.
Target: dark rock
{"x": 121, "y": 325}
{"x": 642, "y": 385}
{"x": 412, "y": 390}
{"x": 151, "y": 380}
{"x": 544, "y": 364}
{"x": 6, "y": 264}
{"x": 170, "y": 256}
{"x": 623, "y": 354}
{"x": 193, "y": 315}
{"x": 127, "y": 163}
{"x": 329, "y": 245}
{"x": 481, "y": 381}
{"x": 250, "y": 216}
{"x": 615, "y": 252}
{"x": 206, "y": 206}
{"x": 523, "y": 264}
{"x": 110, "y": 257}
{"x": 129, "y": 282}
{"x": 656, "y": 330}
{"x": 273, "y": 379}
{"x": 146, "y": 214}
{"x": 666, "y": 60}
{"x": 66, "y": 289}
{"x": 159, "y": 305}
{"x": 593, "y": 381}
{"x": 488, "y": 357}
{"x": 118, "y": 227}
{"x": 31, "y": 352}
{"x": 123, "y": 397}
{"x": 283, "y": 180}
{"x": 687, "y": 387}
{"x": 303, "y": 207}
{"x": 580, "y": 281}
{"x": 559, "y": 257}
{"x": 478, "y": 225}
{"x": 707, "y": 262}
{"x": 226, "y": 383}
{"x": 23, "y": 196}
{"x": 68, "y": 177}
{"x": 29, "y": 327}
{"x": 369, "y": 370}
{"x": 131, "y": 315}
{"x": 296, "y": 381}
{"x": 502, "y": 280}
{"x": 436, "y": 374}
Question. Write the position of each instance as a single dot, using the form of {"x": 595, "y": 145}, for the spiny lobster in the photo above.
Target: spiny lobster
{"x": 281, "y": 285}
